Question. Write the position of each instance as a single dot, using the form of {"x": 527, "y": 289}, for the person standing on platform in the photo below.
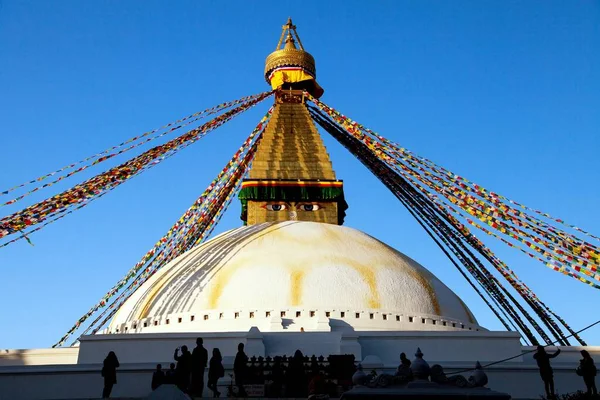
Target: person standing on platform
{"x": 404, "y": 367}
{"x": 546, "y": 372}
{"x": 183, "y": 369}
{"x": 171, "y": 375}
{"x": 239, "y": 370}
{"x": 199, "y": 361}
{"x": 109, "y": 373}
{"x": 588, "y": 371}
{"x": 404, "y": 361}
{"x": 215, "y": 371}
{"x": 277, "y": 377}
{"x": 158, "y": 377}
{"x": 296, "y": 383}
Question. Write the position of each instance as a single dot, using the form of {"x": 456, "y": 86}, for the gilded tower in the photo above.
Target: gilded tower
{"x": 291, "y": 176}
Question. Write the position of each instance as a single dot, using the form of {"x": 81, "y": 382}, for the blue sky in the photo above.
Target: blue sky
{"x": 504, "y": 93}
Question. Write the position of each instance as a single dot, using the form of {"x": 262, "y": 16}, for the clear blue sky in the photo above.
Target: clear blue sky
{"x": 505, "y": 93}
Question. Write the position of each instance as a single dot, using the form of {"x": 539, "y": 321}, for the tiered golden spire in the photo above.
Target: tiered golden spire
{"x": 291, "y": 176}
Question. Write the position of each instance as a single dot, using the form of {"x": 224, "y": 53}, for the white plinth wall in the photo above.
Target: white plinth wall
{"x": 74, "y": 373}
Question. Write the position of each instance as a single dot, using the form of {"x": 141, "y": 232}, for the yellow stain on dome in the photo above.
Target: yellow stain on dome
{"x": 426, "y": 283}
{"x": 297, "y": 274}
{"x": 297, "y": 279}
{"x": 220, "y": 281}
{"x": 368, "y": 274}
{"x": 299, "y": 271}
{"x": 422, "y": 276}
{"x": 369, "y": 277}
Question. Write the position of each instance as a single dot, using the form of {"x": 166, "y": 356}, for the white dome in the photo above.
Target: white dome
{"x": 293, "y": 266}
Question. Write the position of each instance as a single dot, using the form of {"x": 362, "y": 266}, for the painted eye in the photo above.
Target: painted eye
{"x": 310, "y": 207}
{"x": 276, "y": 207}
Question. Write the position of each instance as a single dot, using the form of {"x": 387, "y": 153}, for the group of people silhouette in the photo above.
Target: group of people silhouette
{"x": 586, "y": 369}
{"x": 188, "y": 373}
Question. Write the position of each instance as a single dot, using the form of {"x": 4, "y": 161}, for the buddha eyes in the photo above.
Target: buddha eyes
{"x": 276, "y": 207}
{"x": 310, "y": 207}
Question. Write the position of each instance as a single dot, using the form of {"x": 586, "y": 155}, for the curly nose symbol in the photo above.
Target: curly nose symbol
{"x": 293, "y": 215}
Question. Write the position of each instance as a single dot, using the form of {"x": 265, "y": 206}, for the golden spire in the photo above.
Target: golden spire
{"x": 291, "y": 177}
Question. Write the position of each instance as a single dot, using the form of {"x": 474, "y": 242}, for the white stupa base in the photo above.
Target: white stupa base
{"x": 74, "y": 373}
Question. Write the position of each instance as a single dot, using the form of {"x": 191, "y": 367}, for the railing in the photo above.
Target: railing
{"x": 296, "y": 377}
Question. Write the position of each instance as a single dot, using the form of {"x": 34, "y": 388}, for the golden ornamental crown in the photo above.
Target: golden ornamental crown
{"x": 290, "y": 55}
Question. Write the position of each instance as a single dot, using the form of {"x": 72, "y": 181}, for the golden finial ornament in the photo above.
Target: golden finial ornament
{"x": 290, "y": 63}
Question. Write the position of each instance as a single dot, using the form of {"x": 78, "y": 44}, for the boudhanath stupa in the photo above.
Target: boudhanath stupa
{"x": 292, "y": 276}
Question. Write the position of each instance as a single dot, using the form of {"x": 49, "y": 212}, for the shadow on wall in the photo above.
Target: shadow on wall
{"x": 12, "y": 357}
{"x": 60, "y": 356}
{"x": 340, "y": 325}
{"x": 286, "y": 322}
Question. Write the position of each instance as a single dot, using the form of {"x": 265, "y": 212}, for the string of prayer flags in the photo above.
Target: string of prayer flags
{"x": 573, "y": 255}
{"x": 191, "y": 228}
{"x": 442, "y": 195}
{"x": 108, "y": 180}
{"x": 105, "y": 154}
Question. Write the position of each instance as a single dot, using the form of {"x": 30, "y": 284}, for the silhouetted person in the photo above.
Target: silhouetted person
{"x": 317, "y": 387}
{"x": 199, "y": 361}
{"x": 296, "y": 384}
{"x": 404, "y": 367}
{"x": 183, "y": 369}
{"x": 215, "y": 371}
{"x": 240, "y": 366}
{"x": 404, "y": 361}
{"x": 171, "y": 375}
{"x": 158, "y": 377}
{"x": 588, "y": 371}
{"x": 543, "y": 362}
{"x": 277, "y": 378}
{"x": 109, "y": 372}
